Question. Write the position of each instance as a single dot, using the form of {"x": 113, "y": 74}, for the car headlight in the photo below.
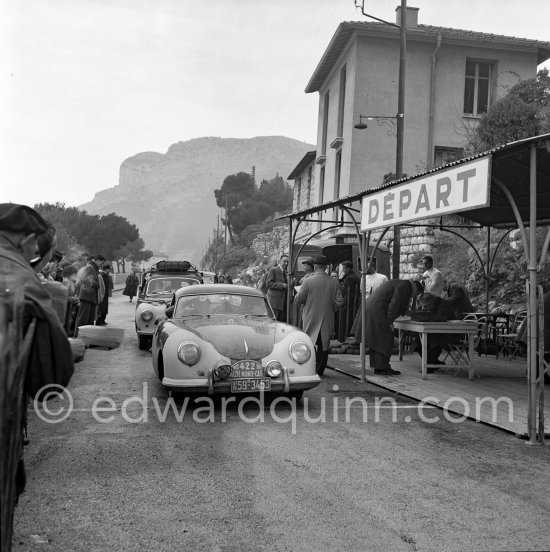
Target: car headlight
{"x": 299, "y": 352}
{"x": 189, "y": 353}
{"x": 146, "y": 315}
{"x": 273, "y": 369}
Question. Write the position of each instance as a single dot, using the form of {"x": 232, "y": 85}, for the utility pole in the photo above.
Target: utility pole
{"x": 225, "y": 234}
{"x": 400, "y": 118}
{"x": 400, "y": 129}
{"x": 217, "y": 239}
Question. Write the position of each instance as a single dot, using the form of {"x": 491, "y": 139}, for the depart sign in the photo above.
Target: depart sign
{"x": 451, "y": 190}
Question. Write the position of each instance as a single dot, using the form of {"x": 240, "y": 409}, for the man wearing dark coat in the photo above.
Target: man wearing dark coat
{"x": 50, "y": 360}
{"x": 430, "y": 303}
{"x": 277, "y": 288}
{"x": 103, "y": 307}
{"x": 131, "y": 286}
{"x": 459, "y": 300}
{"x": 385, "y": 304}
{"x": 321, "y": 296}
{"x": 87, "y": 286}
{"x": 349, "y": 285}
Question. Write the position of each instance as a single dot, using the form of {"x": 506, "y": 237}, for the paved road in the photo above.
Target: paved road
{"x": 145, "y": 481}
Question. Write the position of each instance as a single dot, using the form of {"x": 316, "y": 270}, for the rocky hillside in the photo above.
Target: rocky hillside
{"x": 170, "y": 197}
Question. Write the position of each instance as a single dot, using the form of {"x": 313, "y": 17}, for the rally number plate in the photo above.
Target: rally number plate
{"x": 250, "y": 385}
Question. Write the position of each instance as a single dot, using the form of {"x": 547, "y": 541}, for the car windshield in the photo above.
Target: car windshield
{"x": 167, "y": 286}
{"x": 221, "y": 303}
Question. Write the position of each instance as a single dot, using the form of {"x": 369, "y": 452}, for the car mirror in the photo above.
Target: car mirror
{"x": 169, "y": 311}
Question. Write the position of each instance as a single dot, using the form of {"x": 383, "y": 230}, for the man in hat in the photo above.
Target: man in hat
{"x": 385, "y": 304}
{"x": 277, "y": 288}
{"x": 349, "y": 285}
{"x": 321, "y": 297}
{"x": 49, "y": 359}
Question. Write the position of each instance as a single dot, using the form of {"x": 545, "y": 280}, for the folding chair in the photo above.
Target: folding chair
{"x": 509, "y": 344}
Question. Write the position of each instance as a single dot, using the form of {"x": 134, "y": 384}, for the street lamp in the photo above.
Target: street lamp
{"x": 381, "y": 120}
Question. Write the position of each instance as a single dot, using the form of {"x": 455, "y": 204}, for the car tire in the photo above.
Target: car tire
{"x": 144, "y": 342}
{"x": 296, "y": 395}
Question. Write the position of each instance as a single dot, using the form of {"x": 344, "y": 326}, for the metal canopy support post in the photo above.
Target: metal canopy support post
{"x": 534, "y": 438}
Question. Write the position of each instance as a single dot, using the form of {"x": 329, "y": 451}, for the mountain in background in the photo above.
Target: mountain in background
{"x": 170, "y": 197}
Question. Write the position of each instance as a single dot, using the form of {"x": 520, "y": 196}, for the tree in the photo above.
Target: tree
{"x": 522, "y": 113}
{"x": 235, "y": 190}
{"x": 131, "y": 251}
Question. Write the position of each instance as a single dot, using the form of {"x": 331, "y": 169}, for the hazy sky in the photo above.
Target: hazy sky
{"x": 87, "y": 83}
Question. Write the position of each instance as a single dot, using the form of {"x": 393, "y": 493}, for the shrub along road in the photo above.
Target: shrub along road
{"x": 135, "y": 477}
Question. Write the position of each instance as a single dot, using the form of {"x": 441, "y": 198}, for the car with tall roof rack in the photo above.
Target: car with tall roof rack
{"x": 157, "y": 288}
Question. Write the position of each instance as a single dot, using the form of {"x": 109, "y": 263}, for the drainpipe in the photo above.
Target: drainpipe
{"x": 430, "y": 156}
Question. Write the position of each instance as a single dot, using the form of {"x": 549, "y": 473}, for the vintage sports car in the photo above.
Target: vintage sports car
{"x": 156, "y": 292}
{"x": 224, "y": 339}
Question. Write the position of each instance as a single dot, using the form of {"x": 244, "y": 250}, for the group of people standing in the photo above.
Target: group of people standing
{"x": 319, "y": 295}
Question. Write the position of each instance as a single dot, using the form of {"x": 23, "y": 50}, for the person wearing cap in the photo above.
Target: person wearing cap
{"x": 385, "y": 304}
{"x": 321, "y": 297}
{"x": 432, "y": 277}
{"x": 50, "y": 359}
{"x": 277, "y": 288}
{"x": 349, "y": 285}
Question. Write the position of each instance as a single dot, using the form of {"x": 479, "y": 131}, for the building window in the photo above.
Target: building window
{"x": 321, "y": 185}
{"x": 309, "y": 181}
{"x": 477, "y": 88}
{"x": 337, "y": 167}
{"x": 341, "y": 102}
{"x": 325, "y": 125}
{"x": 444, "y": 155}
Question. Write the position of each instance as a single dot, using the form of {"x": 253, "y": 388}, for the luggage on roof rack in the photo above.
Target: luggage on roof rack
{"x": 174, "y": 266}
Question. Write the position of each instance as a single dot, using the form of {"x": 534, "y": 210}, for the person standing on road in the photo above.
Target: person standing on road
{"x": 131, "y": 286}
{"x": 103, "y": 306}
{"x": 87, "y": 287}
{"x": 277, "y": 288}
{"x": 432, "y": 277}
{"x": 385, "y": 304}
{"x": 321, "y": 297}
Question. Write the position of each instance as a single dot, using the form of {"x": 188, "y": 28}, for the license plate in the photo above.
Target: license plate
{"x": 250, "y": 385}
{"x": 246, "y": 369}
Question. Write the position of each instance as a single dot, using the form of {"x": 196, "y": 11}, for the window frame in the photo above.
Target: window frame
{"x": 476, "y": 78}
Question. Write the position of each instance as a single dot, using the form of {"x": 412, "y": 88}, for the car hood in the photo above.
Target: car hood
{"x": 237, "y": 337}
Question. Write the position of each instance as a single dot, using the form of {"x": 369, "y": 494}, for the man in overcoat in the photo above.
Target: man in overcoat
{"x": 321, "y": 297}
{"x": 87, "y": 287}
{"x": 386, "y": 303}
{"x": 103, "y": 306}
{"x": 50, "y": 359}
{"x": 277, "y": 288}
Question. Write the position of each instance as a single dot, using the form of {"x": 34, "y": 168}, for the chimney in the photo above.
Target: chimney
{"x": 412, "y": 17}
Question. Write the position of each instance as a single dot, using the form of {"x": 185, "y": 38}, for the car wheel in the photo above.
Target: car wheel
{"x": 145, "y": 342}
{"x": 296, "y": 395}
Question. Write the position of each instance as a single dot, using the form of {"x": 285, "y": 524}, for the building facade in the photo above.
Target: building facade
{"x": 452, "y": 77}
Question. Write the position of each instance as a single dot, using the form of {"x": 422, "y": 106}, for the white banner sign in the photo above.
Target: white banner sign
{"x": 455, "y": 189}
